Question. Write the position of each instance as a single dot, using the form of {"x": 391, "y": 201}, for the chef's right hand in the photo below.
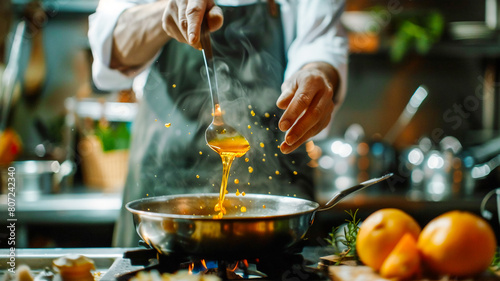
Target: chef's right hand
{"x": 182, "y": 19}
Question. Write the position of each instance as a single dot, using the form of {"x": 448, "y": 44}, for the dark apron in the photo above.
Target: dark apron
{"x": 250, "y": 61}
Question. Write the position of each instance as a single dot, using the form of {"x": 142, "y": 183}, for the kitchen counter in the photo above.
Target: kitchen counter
{"x": 110, "y": 261}
{"x": 39, "y": 259}
{"x": 76, "y": 208}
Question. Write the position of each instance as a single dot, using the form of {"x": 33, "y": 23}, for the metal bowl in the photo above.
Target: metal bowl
{"x": 32, "y": 177}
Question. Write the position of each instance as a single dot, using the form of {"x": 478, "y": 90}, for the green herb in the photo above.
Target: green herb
{"x": 114, "y": 136}
{"x": 418, "y": 32}
{"x": 347, "y": 238}
{"x": 495, "y": 263}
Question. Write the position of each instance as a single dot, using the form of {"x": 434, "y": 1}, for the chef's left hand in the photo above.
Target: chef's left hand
{"x": 308, "y": 100}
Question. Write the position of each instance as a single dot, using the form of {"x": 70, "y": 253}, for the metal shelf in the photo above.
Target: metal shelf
{"x": 67, "y": 208}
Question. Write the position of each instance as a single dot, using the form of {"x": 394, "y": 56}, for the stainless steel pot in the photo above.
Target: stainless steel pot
{"x": 36, "y": 177}
{"x": 183, "y": 225}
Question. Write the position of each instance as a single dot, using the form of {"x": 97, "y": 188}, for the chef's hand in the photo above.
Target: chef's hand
{"x": 182, "y": 19}
{"x": 308, "y": 100}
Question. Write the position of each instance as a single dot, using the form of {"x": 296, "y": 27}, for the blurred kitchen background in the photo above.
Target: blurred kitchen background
{"x": 423, "y": 102}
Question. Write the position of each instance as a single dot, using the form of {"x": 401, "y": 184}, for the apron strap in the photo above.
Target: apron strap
{"x": 273, "y": 8}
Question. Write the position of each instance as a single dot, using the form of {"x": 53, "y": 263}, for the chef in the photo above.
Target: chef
{"x": 281, "y": 70}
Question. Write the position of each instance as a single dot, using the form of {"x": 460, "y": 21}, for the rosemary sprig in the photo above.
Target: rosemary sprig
{"x": 348, "y": 238}
{"x": 495, "y": 263}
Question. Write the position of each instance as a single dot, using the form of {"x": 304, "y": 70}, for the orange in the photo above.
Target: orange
{"x": 457, "y": 243}
{"x": 404, "y": 261}
{"x": 379, "y": 234}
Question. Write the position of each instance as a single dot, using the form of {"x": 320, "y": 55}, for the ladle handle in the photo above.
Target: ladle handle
{"x": 337, "y": 197}
{"x": 206, "y": 48}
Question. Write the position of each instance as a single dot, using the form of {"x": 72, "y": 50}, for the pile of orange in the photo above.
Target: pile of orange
{"x": 456, "y": 243}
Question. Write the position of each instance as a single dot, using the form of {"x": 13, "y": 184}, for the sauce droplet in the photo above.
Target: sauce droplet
{"x": 246, "y": 159}
{"x": 249, "y": 127}
{"x": 237, "y": 192}
{"x": 156, "y": 120}
{"x": 201, "y": 153}
{"x": 168, "y": 125}
{"x": 250, "y": 170}
{"x": 263, "y": 206}
{"x": 173, "y": 86}
{"x": 277, "y": 172}
{"x": 243, "y": 209}
{"x": 266, "y": 115}
{"x": 243, "y": 193}
{"x": 252, "y": 112}
{"x": 197, "y": 176}
{"x": 236, "y": 181}
{"x": 261, "y": 144}
{"x": 295, "y": 172}
{"x": 270, "y": 177}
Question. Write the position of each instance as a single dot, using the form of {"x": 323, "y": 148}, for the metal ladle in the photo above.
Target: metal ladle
{"x": 218, "y": 132}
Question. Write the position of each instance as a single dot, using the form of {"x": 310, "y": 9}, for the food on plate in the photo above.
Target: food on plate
{"x": 24, "y": 274}
{"x": 457, "y": 243}
{"x": 74, "y": 267}
{"x": 380, "y": 233}
{"x": 182, "y": 275}
{"x": 404, "y": 261}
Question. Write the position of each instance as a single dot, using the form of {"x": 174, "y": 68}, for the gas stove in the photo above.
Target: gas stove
{"x": 120, "y": 264}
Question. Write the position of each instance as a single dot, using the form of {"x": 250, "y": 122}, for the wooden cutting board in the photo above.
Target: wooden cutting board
{"x": 365, "y": 273}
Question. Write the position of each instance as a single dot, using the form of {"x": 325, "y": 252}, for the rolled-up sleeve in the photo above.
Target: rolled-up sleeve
{"x": 318, "y": 36}
{"x": 101, "y": 26}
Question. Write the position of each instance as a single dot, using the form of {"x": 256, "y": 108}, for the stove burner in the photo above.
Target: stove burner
{"x": 271, "y": 266}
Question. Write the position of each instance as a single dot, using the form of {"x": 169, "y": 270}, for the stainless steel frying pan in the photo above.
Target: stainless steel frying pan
{"x": 183, "y": 225}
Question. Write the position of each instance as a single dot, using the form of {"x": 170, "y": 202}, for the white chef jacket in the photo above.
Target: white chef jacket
{"x": 312, "y": 33}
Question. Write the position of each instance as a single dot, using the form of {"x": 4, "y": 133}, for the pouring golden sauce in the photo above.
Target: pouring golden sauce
{"x": 228, "y": 148}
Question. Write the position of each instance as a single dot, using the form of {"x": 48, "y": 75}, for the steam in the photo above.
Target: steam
{"x": 177, "y": 159}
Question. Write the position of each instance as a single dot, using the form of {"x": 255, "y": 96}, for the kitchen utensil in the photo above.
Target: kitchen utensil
{"x": 485, "y": 213}
{"x": 217, "y": 132}
{"x": 411, "y": 108}
{"x": 10, "y": 74}
{"x": 184, "y": 224}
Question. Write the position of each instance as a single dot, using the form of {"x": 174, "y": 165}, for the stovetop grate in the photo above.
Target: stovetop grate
{"x": 284, "y": 266}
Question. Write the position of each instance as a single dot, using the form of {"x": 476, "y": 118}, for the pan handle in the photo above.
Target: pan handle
{"x": 337, "y": 197}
